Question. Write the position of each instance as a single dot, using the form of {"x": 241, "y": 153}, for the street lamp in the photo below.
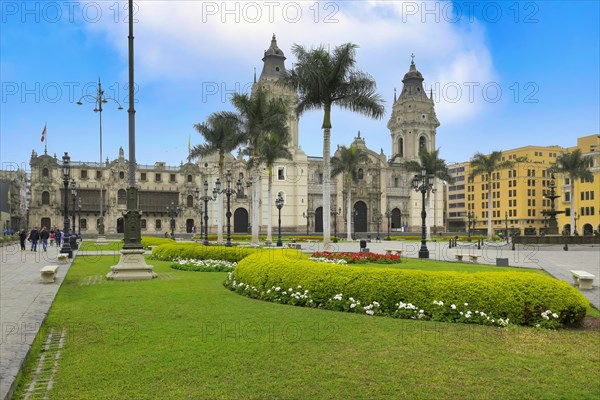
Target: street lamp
{"x": 206, "y": 198}
{"x": 470, "y": 216}
{"x": 423, "y": 184}
{"x": 307, "y": 215}
{"x": 506, "y": 225}
{"x": 172, "y": 211}
{"x": 576, "y": 218}
{"x": 228, "y": 191}
{"x": 279, "y": 205}
{"x": 99, "y": 100}
{"x": 73, "y": 239}
{"x": 355, "y": 215}
{"x": 388, "y": 215}
{"x": 79, "y": 217}
{"x": 378, "y": 219}
{"x": 334, "y": 214}
{"x": 66, "y": 171}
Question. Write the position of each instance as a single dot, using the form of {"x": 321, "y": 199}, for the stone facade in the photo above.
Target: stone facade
{"x": 383, "y": 184}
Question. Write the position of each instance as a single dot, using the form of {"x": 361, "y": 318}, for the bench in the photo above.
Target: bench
{"x": 48, "y": 273}
{"x": 473, "y": 257}
{"x": 296, "y": 246}
{"x": 582, "y": 279}
{"x": 393, "y": 251}
{"x": 63, "y": 258}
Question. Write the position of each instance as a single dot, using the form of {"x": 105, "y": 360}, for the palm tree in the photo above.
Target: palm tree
{"x": 221, "y": 133}
{"x": 486, "y": 165}
{"x": 272, "y": 146}
{"x": 323, "y": 79}
{"x": 346, "y": 163}
{"x": 261, "y": 117}
{"x": 574, "y": 165}
{"x": 430, "y": 161}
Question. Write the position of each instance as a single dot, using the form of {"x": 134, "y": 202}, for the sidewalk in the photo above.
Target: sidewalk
{"x": 24, "y": 304}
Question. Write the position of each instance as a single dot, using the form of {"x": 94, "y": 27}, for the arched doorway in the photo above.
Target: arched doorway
{"x": 360, "y": 217}
{"x": 319, "y": 219}
{"x": 566, "y": 229}
{"x": 240, "y": 221}
{"x": 396, "y": 219}
{"x": 588, "y": 230}
{"x": 46, "y": 223}
{"x": 120, "y": 225}
{"x": 189, "y": 225}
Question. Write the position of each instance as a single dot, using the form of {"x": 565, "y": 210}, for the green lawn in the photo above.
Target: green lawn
{"x": 91, "y": 246}
{"x": 189, "y": 338}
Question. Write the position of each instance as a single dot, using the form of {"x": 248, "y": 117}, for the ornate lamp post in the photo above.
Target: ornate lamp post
{"x": 172, "y": 211}
{"x": 307, "y": 215}
{"x": 73, "y": 238}
{"x": 279, "y": 205}
{"x": 423, "y": 184}
{"x": 79, "y": 217}
{"x": 227, "y": 191}
{"x": 388, "y": 215}
{"x": 99, "y": 99}
{"x": 206, "y": 198}
{"x": 506, "y": 225}
{"x": 378, "y": 218}
{"x": 334, "y": 214}
{"x": 355, "y": 215}
{"x": 576, "y": 218}
{"x": 66, "y": 171}
{"x": 469, "y": 222}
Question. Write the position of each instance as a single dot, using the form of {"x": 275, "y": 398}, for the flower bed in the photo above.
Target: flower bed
{"x": 203, "y": 265}
{"x": 520, "y": 298}
{"x": 358, "y": 258}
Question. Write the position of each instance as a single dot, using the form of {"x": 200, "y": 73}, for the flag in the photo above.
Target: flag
{"x": 44, "y": 133}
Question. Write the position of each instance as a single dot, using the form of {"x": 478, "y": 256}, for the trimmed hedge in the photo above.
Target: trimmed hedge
{"x": 197, "y": 251}
{"x": 148, "y": 241}
{"x": 520, "y": 297}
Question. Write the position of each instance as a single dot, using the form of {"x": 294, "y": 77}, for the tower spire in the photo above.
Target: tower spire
{"x": 254, "y": 74}
{"x": 394, "y": 95}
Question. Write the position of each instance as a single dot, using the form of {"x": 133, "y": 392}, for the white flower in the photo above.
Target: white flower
{"x": 370, "y": 312}
{"x": 466, "y": 304}
{"x": 268, "y": 291}
{"x": 277, "y": 289}
{"x": 555, "y": 315}
{"x": 452, "y": 306}
{"x": 352, "y": 305}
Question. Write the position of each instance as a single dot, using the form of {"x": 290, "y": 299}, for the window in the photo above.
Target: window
{"x": 395, "y": 182}
{"x": 190, "y": 201}
{"x": 157, "y": 178}
{"x": 320, "y": 177}
{"x": 360, "y": 174}
{"x": 158, "y": 224}
{"x": 582, "y": 195}
{"x": 172, "y": 178}
{"x": 121, "y": 197}
{"x": 190, "y": 179}
{"x": 401, "y": 147}
{"x": 422, "y": 143}
{"x": 98, "y": 174}
{"x": 83, "y": 174}
{"x": 280, "y": 174}
{"x": 45, "y": 198}
{"x": 567, "y": 196}
{"x": 143, "y": 224}
{"x": 83, "y": 223}
{"x": 45, "y": 173}
{"x": 592, "y": 210}
{"x": 567, "y": 212}
{"x": 121, "y": 175}
{"x": 591, "y": 195}
{"x": 143, "y": 176}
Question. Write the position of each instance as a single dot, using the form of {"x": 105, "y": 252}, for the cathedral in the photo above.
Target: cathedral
{"x": 382, "y": 183}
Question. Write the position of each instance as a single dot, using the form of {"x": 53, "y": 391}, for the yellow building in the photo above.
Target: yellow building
{"x": 587, "y": 193}
{"x": 517, "y": 192}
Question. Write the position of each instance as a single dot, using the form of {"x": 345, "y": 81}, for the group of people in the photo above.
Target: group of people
{"x": 43, "y": 236}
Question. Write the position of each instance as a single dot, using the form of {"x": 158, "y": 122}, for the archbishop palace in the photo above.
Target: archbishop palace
{"x": 382, "y": 183}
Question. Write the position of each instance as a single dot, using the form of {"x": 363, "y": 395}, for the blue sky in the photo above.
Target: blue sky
{"x": 504, "y": 74}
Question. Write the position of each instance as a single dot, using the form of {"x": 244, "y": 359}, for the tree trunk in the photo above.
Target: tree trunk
{"x": 489, "y": 207}
{"x": 349, "y": 213}
{"x": 255, "y": 204}
{"x": 428, "y": 218}
{"x": 270, "y": 206}
{"x": 326, "y": 177}
{"x": 572, "y": 204}
{"x": 220, "y": 202}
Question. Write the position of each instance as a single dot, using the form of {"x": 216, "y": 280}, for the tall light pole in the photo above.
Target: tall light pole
{"x": 172, "y": 211}
{"x": 506, "y": 225}
{"x": 335, "y": 213}
{"x": 206, "y": 198}
{"x": 469, "y": 221}
{"x": 378, "y": 219}
{"x": 66, "y": 172}
{"x": 79, "y": 217}
{"x": 99, "y": 99}
{"x": 423, "y": 184}
{"x": 73, "y": 237}
{"x": 307, "y": 215}
{"x": 279, "y": 204}
{"x": 227, "y": 191}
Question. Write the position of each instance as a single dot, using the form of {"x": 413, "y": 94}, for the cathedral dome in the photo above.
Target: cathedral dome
{"x": 412, "y": 73}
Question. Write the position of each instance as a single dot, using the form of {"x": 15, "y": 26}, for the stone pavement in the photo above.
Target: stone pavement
{"x": 24, "y": 304}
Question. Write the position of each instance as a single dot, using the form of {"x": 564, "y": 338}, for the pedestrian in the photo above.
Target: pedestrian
{"x": 51, "y": 237}
{"x": 34, "y": 237}
{"x": 22, "y": 238}
{"x": 57, "y": 237}
{"x": 44, "y": 235}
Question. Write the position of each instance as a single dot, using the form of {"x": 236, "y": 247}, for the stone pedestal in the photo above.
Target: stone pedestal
{"x": 131, "y": 267}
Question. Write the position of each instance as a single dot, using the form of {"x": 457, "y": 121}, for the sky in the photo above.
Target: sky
{"x": 504, "y": 74}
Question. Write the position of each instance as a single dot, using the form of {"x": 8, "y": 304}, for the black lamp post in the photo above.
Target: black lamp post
{"x": 388, "y": 215}
{"x": 172, "y": 211}
{"x": 66, "y": 171}
{"x": 378, "y": 218}
{"x": 73, "y": 237}
{"x": 206, "y": 198}
{"x": 279, "y": 205}
{"x": 334, "y": 214}
{"x": 307, "y": 215}
{"x": 355, "y": 215}
{"x": 227, "y": 191}
{"x": 79, "y": 217}
{"x": 99, "y": 98}
{"x": 423, "y": 184}
{"x": 506, "y": 225}
{"x": 576, "y": 218}
{"x": 470, "y": 216}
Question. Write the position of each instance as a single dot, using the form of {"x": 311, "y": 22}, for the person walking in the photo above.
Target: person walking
{"x": 34, "y": 237}
{"x": 44, "y": 236}
{"x": 22, "y": 238}
{"x": 57, "y": 237}
{"x": 51, "y": 237}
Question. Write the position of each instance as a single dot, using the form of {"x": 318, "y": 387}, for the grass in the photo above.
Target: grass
{"x": 91, "y": 246}
{"x": 190, "y": 338}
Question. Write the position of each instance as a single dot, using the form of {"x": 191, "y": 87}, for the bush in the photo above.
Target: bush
{"x": 196, "y": 251}
{"x": 515, "y": 296}
{"x": 148, "y": 241}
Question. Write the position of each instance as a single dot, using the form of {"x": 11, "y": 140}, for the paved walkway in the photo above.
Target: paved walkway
{"x": 24, "y": 301}
{"x": 24, "y": 304}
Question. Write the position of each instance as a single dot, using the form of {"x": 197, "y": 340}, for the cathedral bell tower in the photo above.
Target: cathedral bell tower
{"x": 413, "y": 121}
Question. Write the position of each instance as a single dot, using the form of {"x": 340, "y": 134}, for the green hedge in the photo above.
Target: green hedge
{"x": 197, "y": 251}
{"x": 518, "y": 296}
{"x": 148, "y": 241}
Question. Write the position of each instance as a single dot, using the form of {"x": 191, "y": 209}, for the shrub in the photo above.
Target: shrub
{"x": 197, "y": 251}
{"x": 515, "y": 296}
{"x": 148, "y": 241}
